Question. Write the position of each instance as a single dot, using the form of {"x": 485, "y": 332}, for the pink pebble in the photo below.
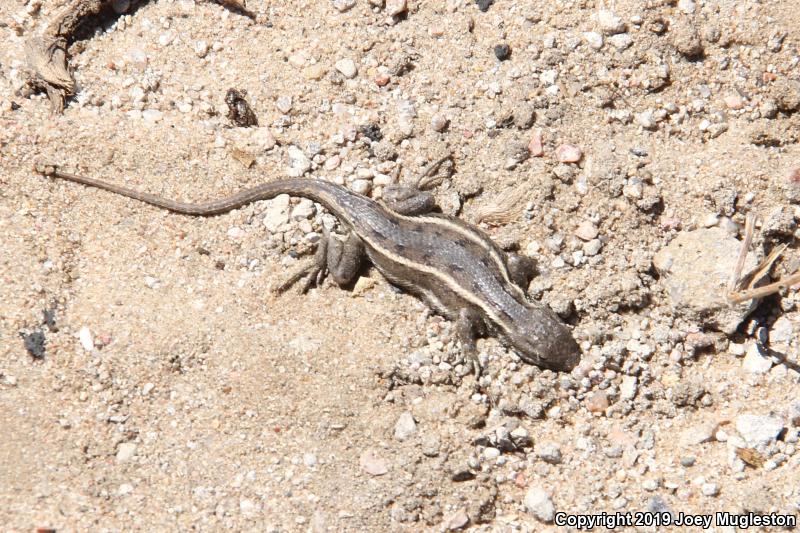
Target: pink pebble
{"x": 734, "y": 101}
{"x": 535, "y": 145}
{"x": 568, "y": 153}
{"x": 381, "y": 80}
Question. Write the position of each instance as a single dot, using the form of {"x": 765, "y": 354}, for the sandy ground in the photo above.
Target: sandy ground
{"x": 174, "y": 391}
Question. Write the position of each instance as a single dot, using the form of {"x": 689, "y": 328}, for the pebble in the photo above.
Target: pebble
{"x": 277, "y": 214}
{"x": 549, "y": 452}
{"x": 347, "y": 67}
{"x": 538, "y": 503}
{"x": 597, "y": 402}
{"x": 343, "y": 5}
{"x": 484, "y": 5}
{"x": 439, "y": 122}
{"x": 124, "y": 489}
{"x": 125, "y": 451}
{"x": 733, "y": 101}
{"x": 688, "y": 461}
{"x": 645, "y": 120}
{"x": 686, "y": 40}
{"x": 755, "y": 361}
{"x": 262, "y": 138}
{"x": 310, "y": 460}
{"x": 457, "y": 520}
{"x": 759, "y": 429}
{"x": 85, "y": 337}
{"x": 361, "y": 186}
{"x": 535, "y": 146}
{"x": 592, "y": 248}
{"x": 284, "y": 103}
{"x": 502, "y": 51}
{"x": 709, "y": 489}
{"x": 396, "y": 7}
{"x": 152, "y": 115}
{"x": 568, "y": 153}
{"x": 372, "y": 463}
{"x": 621, "y": 41}
{"x": 610, "y": 23}
{"x": 201, "y": 48}
{"x": 299, "y": 163}
{"x": 687, "y": 6}
{"x": 593, "y": 39}
{"x": 586, "y": 231}
{"x": 304, "y": 210}
{"x": 628, "y": 388}
{"x": 405, "y": 427}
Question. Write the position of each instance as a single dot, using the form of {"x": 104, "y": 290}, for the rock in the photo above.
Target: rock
{"x": 277, "y": 214}
{"x": 779, "y": 223}
{"x": 687, "y": 6}
{"x": 539, "y": 504}
{"x": 262, "y": 138}
{"x": 524, "y": 116}
{"x": 699, "y": 434}
{"x": 593, "y": 39}
{"x": 709, "y": 489}
{"x": 484, "y": 5}
{"x": 610, "y": 23}
{"x": 794, "y": 414}
{"x": 372, "y": 463}
{"x": 535, "y": 146}
{"x": 628, "y": 388}
{"x": 405, "y": 427}
{"x": 347, "y": 67}
{"x": 786, "y": 93}
{"x": 457, "y": 520}
{"x": 85, "y": 337}
{"x": 597, "y": 402}
{"x": 549, "y": 452}
{"x": 695, "y": 268}
{"x": 621, "y": 41}
{"x": 502, "y": 51}
{"x": 152, "y": 115}
{"x": 439, "y": 122}
{"x": 759, "y": 429}
{"x": 125, "y": 451}
{"x": 755, "y": 361}
{"x": 395, "y": 8}
{"x": 343, "y": 5}
{"x": 568, "y": 153}
{"x": 304, "y": 210}
{"x": 586, "y": 231}
{"x": 686, "y": 40}
{"x": 299, "y": 163}
{"x": 516, "y": 153}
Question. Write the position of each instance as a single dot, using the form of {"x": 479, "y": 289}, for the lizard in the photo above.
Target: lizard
{"x": 451, "y": 265}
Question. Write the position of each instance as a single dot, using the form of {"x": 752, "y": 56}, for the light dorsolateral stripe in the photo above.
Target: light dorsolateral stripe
{"x": 478, "y": 239}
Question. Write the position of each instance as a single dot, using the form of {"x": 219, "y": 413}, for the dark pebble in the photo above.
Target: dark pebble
{"x": 371, "y": 132}
{"x": 639, "y": 152}
{"x": 483, "y": 5}
{"x": 34, "y": 343}
{"x": 502, "y": 51}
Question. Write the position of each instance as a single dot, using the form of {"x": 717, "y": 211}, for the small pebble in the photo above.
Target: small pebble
{"x": 85, "y": 336}
{"x": 372, "y": 463}
{"x": 535, "y": 146}
{"x": 610, "y": 23}
{"x": 395, "y": 8}
{"x": 439, "y": 122}
{"x": 568, "y": 153}
{"x": 538, "y": 503}
{"x": 347, "y": 67}
{"x": 502, "y": 51}
{"x": 484, "y": 5}
{"x": 586, "y": 231}
{"x": 405, "y": 427}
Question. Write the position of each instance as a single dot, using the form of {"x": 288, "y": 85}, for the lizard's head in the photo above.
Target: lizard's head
{"x": 541, "y": 338}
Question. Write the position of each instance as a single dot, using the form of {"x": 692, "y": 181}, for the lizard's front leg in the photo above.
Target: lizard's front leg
{"x": 521, "y": 269}
{"x": 468, "y": 326}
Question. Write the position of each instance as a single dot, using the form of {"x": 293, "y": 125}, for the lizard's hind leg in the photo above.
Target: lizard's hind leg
{"x": 341, "y": 259}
